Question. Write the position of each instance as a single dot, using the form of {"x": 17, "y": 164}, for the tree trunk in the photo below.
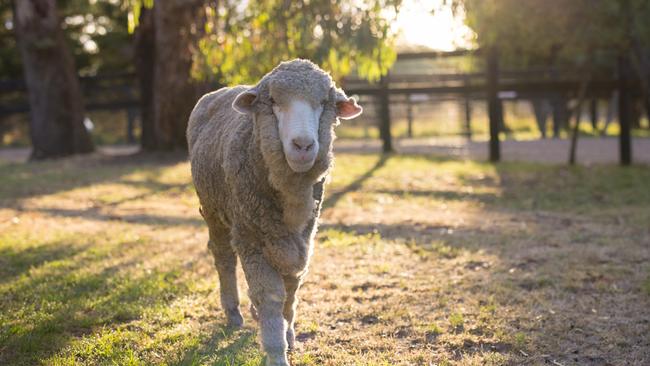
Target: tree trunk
{"x": 145, "y": 47}
{"x": 56, "y": 105}
{"x": 178, "y": 23}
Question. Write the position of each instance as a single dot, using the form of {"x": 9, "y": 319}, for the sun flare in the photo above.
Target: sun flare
{"x": 419, "y": 25}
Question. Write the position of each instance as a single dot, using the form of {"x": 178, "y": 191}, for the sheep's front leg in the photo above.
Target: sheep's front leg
{"x": 225, "y": 260}
{"x": 267, "y": 293}
{"x": 291, "y": 285}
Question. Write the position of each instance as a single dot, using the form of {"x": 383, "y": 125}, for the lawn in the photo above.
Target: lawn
{"x": 419, "y": 261}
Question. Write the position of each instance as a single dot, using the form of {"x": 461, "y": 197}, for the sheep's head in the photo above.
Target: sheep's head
{"x": 305, "y": 105}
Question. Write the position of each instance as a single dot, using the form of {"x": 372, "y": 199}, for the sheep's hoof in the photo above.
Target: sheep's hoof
{"x": 235, "y": 320}
{"x": 291, "y": 339}
{"x": 254, "y": 312}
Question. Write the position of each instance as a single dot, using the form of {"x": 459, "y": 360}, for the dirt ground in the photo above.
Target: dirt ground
{"x": 420, "y": 260}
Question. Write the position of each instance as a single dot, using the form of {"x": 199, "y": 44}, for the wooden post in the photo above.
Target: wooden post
{"x": 495, "y": 111}
{"x": 593, "y": 108}
{"x": 576, "y": 127}
{"x": 384, "y": 116}
{"x": 624, "y": 109}
{"x": 409, "y": 115}
{"x": 468, "y": 110}
{"x": 130, "y": 125}
{"x": 131, "y": 115}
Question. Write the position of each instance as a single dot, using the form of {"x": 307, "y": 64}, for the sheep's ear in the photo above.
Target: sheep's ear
{"x": 243, "y": 103}
{"x": 346, "y": 108}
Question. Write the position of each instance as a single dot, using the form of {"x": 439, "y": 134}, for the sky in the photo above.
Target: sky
{"x": 439, "y": 30}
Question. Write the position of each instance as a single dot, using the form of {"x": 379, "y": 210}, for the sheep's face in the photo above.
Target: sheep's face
{"x": 298, "y": 122}
{"x": 305, "y": 104}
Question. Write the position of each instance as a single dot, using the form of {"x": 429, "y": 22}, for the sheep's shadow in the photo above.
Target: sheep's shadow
{"x": 332, "y": 199}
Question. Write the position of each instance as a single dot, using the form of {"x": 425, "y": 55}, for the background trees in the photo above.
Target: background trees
{"x": 242, "y": 44}
{"x": 181, "y": 48}
{"x": 202, "y": 45}
{"x": 57, "y": 113}
{"x": 590, "y": 37}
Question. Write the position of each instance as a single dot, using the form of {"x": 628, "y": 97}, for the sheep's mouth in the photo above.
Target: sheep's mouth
{"x": 300, "y": 166}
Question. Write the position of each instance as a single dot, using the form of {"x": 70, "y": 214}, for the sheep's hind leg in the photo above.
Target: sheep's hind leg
{"x": 267, "y": 293}
{"x": 225, "y": 260}
{"x": 291, "y": 285}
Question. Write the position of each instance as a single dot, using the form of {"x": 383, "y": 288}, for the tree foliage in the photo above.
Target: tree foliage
{"x": 570, "y": 32}
{"x": 243, "y": 42}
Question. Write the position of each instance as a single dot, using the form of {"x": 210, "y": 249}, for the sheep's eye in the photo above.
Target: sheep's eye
{"x": 271, "y": 100}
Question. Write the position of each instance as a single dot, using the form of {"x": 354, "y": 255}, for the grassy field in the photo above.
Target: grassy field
{"x": 419, "y": 261}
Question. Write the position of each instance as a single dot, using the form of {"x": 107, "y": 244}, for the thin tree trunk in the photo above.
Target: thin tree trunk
{"x": 145, "y": 46}
{"x": 56, "y": 105}
{"x": 178, "y": 23}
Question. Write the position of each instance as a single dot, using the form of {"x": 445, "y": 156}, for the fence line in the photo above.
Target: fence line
{"x": 120, "y": 91}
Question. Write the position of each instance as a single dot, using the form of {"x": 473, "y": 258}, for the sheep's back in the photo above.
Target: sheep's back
{"x": 213, "y": 130}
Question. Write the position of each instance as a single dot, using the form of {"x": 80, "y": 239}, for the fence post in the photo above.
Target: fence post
{"x": 624, "y": 112}
{"x": 593, "y": 111}
{"x": 384, "y": 115}
{"x": 468, "y": 109}
{"x": 409, "y": 115}
{"x": 495, "y": 111}
{"x": 130, "y": 125}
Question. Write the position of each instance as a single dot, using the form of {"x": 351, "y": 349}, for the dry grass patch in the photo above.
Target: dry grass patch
{"x": 419, "y": 261}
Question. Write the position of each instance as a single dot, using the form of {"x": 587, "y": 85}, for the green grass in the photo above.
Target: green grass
{"x": 419, "y": 260}
{"x": 456, "y": 320}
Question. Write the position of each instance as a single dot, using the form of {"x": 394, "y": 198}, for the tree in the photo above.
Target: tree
{"x": 165, "y": 37}
{"x": 57, "y": 113}
{"x": 177, "y": 24}
{"x": 571, "y": 33}
{"x": 145, "y": 47}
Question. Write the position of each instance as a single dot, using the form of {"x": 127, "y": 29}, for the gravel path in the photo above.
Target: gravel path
{"x": 590, "y": 150}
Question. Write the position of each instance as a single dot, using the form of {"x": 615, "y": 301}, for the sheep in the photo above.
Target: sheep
{"x": 259, "y": 158}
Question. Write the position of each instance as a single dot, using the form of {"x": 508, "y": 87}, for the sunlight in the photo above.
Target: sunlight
{"x": 419, "y": 25}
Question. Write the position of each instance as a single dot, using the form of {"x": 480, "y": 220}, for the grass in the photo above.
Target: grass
{"x": 420, "y": 260}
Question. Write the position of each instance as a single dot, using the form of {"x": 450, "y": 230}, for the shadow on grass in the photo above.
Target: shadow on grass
{"x": 224, "y": 347}
{"x": 67, "y": 298}
{"x": 445, "y": 195}
{"x": 145, "y": 219}
{"x": 25, "y": 180}
{"x": 14, "y": 263}
{"x": 332, "y": 199}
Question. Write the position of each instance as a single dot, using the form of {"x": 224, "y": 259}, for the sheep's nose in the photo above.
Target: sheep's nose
{"x": 303, "y": 143}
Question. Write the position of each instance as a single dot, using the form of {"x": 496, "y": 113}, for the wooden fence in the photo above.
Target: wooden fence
{"x": 120, "y": 91}
{"x": 493, "y": 86}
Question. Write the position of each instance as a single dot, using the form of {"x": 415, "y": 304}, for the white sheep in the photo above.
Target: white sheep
{"x": 259, "y": 158}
